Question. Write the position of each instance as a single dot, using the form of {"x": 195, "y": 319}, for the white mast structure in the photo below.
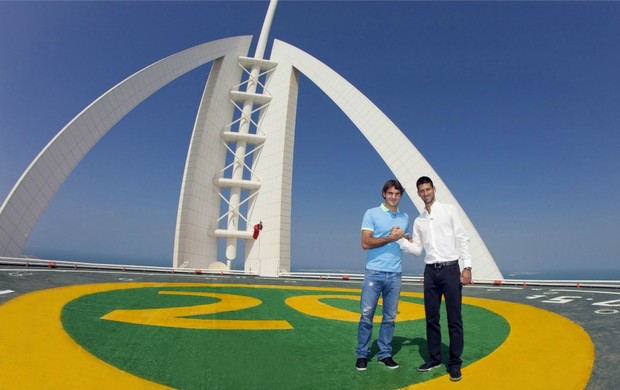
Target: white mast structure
{"x": 237, "y": 182}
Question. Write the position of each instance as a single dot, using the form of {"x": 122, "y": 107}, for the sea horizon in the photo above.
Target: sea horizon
{"x": 571, "y": 274}
{"x": 580, "y": 274}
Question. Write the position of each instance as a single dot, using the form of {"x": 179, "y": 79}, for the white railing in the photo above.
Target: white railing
{"x": 336, "y": 275}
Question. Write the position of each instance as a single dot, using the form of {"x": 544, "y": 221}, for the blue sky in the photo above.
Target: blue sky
{"x": 515, "y": 104}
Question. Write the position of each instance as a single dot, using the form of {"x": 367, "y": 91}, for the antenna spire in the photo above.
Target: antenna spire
{"x": 264, "y": 32}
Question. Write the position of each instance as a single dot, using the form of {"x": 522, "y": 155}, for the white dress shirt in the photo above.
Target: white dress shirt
{"x": 441, "y": 234}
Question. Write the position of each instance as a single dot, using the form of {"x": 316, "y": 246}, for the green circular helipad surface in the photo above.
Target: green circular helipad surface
{"x": 196, "y": 336}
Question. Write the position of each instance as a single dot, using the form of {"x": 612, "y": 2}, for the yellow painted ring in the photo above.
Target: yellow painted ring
{"x": 543, "y": 350}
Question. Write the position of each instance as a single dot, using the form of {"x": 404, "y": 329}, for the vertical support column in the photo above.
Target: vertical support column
{"x": 238, "y": 167}
{"x": 234, "y": 200}
{"x": 271, "y": 253}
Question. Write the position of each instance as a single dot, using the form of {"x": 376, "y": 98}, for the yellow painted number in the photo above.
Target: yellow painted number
{"x": 312, "y": 305}
{"x": 175, "y": 317}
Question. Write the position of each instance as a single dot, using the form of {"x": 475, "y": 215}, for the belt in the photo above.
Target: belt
{"x": 441, "y": 264}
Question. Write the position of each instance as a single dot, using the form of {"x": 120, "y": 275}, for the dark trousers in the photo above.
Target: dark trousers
{"x": 446, "y": 282}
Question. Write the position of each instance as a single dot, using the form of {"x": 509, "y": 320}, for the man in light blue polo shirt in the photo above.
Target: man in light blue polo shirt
{"x": 381, "y": 227}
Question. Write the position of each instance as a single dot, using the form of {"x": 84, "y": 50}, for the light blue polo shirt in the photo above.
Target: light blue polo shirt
{"x": 380, "y": 221}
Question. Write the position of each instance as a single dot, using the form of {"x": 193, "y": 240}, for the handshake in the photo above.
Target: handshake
{"x": 397, "y": 233}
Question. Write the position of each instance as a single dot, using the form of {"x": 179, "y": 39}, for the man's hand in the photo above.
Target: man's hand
{"x": 370, "y": 242}
{"x": 466, "y": 276}
{"x": 397, "y": 233}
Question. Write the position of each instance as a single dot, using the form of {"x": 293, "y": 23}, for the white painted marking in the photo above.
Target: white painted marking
{"x": 6, "y": 292}
{"x": 564, "y": 299}
{"x": 606, "y": 311}
{"x": 614, "y": 303}
{"x": 584, "y": 291}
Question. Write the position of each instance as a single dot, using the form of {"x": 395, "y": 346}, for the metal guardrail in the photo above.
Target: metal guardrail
{"x": 64, "y": 264}
{"x": 491, "y": 282}
{"x": 340, "y": 275}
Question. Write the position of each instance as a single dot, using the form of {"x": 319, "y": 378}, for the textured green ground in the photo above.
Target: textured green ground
{"x": 317, "y": 353}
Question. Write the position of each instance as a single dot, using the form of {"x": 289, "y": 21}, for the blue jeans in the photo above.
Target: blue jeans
{"x": 377, "y": 283}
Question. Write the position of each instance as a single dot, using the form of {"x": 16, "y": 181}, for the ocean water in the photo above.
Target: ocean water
{"x": 573, "y": 274}
{"x": 409, "y": 268}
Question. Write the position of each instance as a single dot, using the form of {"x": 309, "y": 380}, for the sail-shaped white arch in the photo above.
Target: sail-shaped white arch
{"x": 196, "y": 237}
{"x": 48, "y": 171}
{"x": 274, "y": 167}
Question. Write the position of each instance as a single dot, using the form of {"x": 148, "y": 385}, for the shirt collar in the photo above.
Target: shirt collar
{"x": 435, "y": 206}
{"x": 383, "y": 208}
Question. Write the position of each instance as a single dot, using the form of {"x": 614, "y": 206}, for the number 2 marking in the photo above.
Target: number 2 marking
{"x": 175, "y": 317}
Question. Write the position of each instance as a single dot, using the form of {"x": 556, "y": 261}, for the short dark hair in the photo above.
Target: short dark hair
{"x": 393, "y": 183}
{"x": 424, "y": 180}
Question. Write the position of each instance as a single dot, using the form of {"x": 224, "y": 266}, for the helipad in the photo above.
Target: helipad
{"x": 95, "y": 329}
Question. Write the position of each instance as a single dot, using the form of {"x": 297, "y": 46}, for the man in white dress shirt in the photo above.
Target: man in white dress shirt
{"x": 439, "y": 231}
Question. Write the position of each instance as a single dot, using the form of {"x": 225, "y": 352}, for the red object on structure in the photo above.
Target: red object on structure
{"x": 257, "y": 228}
{"x": 51, "y": 264}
